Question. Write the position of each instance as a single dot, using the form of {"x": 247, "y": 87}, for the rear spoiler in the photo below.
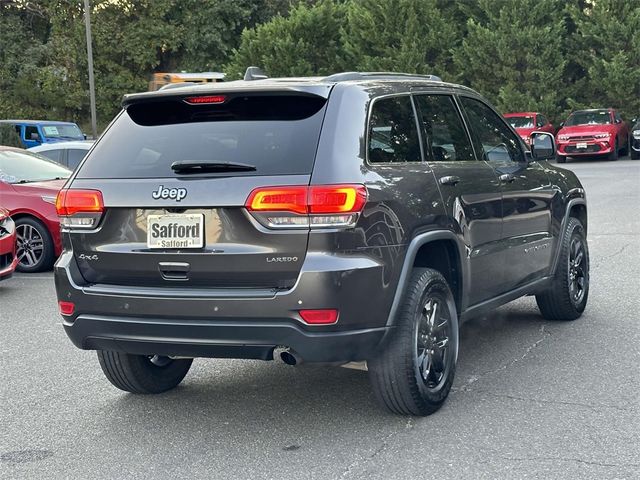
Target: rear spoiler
{"x": 228, "y": 88}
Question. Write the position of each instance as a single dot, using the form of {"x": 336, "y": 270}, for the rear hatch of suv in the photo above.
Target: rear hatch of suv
{"x": 160, "y": 201}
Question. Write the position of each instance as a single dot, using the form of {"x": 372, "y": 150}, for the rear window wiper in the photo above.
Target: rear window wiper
{"x": 193, "y": 166}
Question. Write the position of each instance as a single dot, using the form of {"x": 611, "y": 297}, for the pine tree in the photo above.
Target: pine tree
{"x": 608, "y": 49}
{"x": 513, "y": 54}
{"x": 399, "y": 35}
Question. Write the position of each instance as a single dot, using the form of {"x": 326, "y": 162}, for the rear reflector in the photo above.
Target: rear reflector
{"x": 319, "y": 317}
{"x": 70, "y": 202}
{"x": 205, "y": 99}
{"x": 66, "y": 308}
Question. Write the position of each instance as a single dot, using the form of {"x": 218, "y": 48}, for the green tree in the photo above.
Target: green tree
{"x": 607, "y": 48}
{"x": 306, "y": 42}
{"x": 513, "y": 54}
{"x": 398, "y": 35}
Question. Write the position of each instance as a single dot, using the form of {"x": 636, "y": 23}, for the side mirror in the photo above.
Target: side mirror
{"x": 543, "y": 146}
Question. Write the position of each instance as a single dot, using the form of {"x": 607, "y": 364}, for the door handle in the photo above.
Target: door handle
{"x": 449, "y": 180}
{"x": 507, "y": 178}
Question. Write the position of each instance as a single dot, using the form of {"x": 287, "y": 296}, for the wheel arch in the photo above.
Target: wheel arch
{"x": 576, "y": 207}
{"x": 441, "y": 250}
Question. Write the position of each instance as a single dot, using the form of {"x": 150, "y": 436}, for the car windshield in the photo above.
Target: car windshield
{"x": 521, "y": 122}
{"x": 24, "y": 167}
{"x": 62, "y": 131}
{"x": 601, "y": 117}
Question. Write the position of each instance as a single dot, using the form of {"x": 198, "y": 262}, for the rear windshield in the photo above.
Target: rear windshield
{"x": 520, "y": 122}
{"x": 278, "y": 135}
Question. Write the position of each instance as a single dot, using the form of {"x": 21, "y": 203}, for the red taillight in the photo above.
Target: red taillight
{"x": 278, "y": 199}
{"x": 325, "y": 199}
{"x": 319, "y": 317}
{"x": 66, "y": 308}
{"x": 70, "y": 202}
{"x": 206, "y": 99}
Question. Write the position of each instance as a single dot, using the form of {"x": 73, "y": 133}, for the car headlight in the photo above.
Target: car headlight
{"x": 601, "y": 135}
{"x": 563, "y": 138}
{"x": 636, "y": 134}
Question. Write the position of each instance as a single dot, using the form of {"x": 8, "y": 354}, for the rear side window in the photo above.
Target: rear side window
{"x": 278, "y": 134}
{"x": 393, "y": 136}
{"x": 31, "y": 133}
{"x": 442, "y": 128}
{"x": 55, "y": 155}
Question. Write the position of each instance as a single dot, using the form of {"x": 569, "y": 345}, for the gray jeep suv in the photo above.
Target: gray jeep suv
{"x": 356, "y": 217}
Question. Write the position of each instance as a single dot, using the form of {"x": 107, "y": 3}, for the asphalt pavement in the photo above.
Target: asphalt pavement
{"x": 531, "y": 399}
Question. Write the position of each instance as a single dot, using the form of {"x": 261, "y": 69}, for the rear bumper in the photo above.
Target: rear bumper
{"x": 237, "y": 323}
{"x": 219, "y": 339}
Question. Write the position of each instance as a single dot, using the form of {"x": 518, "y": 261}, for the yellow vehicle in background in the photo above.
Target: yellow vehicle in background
{"x": 159, "y": 80}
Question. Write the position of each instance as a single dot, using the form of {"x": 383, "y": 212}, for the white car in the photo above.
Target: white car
{"x": 69, "y": 154}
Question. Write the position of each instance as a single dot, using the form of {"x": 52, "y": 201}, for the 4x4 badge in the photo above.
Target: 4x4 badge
{"x": 173, "y": 193}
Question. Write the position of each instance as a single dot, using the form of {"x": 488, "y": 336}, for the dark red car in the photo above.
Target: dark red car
{"x": 527, "y": 122}
{"x": 29, "y": 185}
{"x": 8, "y": 259}
{"x": 594, "y": 132}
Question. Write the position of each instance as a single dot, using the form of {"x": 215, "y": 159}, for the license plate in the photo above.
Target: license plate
{"x": 581, "y": 145}
{"x": 175, "y": 231}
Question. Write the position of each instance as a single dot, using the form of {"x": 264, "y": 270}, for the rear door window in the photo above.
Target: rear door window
{"x": 277, "y": 134}
{"x": 74, "y": 157}
{"x": 393, "y": 135}
{"x": 442, "y": 129}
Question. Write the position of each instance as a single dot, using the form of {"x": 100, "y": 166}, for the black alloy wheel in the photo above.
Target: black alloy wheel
{"x": 577, "y": 270}
{"x": 433, "y": 358}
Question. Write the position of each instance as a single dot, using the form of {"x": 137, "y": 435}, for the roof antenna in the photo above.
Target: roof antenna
{"x": 254, "y": 73}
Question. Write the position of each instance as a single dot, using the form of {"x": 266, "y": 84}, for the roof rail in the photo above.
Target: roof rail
{"x": 254, "y": 73}
{"x": 346, "y": 76}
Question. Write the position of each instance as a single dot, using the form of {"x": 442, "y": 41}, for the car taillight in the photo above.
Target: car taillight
{"x": 79, "y": 208}
{"x": 316, "y": 206}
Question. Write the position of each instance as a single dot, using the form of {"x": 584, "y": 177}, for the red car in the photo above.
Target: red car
{"x": 8, "y": 259}
{"x": 593, "y": 132}
{"x": 29, "y": 185}
{"x": 527, "y": 122}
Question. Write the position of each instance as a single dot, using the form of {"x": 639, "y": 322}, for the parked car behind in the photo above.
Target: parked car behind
{"x": 69, "y": 154}
{"x": 8, "y": 259}
{"x": 635, "y": 140}
{"x": 597, "y": 132}
{"x": 36, "y": 132}
{"x": 526, "y": 123}
{"x": 29, "y": 184}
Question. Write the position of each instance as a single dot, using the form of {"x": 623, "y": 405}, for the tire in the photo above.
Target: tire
{"x": 634, "y": 155}
{"x": 627, "y": 146}
{"x": 34, "y": 246}
{"x": 141, "y": 373}
{"x": 561, "y": 301}
{"x": 613, "y": 156}
{"x": 561, "y": 159}
{"x": 398, "y": 373}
